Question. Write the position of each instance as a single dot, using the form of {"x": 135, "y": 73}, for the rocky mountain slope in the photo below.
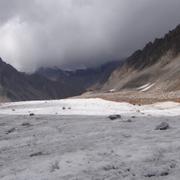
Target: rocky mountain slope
{"x": 154, "y": 68}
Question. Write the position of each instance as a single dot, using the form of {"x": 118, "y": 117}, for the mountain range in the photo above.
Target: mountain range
{"x": 153, "y": 70}
{"x": 50, "y": 83}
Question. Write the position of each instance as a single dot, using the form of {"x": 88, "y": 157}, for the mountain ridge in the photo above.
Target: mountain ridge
{"x": 18, "y": 86}
{"x": 156, "y": 61}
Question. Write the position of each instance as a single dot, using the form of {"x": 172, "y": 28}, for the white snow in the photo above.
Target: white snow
{"x": 145, "y": 87}
{"x": 82, "y": 143}
{"x": 66, "y": 107}
{"x": 112, "y": 90}
{"x": 88, "y": 107}
{"x": 148, "y": 87}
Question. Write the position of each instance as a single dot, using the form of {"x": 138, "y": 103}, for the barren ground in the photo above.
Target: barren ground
{"x": 136, "y": 97}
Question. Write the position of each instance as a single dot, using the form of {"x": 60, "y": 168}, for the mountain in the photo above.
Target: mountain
{"x": 49, "y": 83}
{"x": 17, "y": 86}
{"x": 152, "y": 72}
{"x": 82, "y": 79}
{"x": 155, "y": 68}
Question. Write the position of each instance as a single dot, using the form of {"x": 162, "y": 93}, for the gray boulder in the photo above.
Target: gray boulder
{"x": 114, "y": 117}
{"x": 162, "y": 126}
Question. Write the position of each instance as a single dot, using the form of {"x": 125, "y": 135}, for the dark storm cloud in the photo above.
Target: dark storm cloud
{"x": 80, "y": 33}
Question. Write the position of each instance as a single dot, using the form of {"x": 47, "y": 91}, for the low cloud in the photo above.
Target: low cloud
{"x": 80, "y": 33}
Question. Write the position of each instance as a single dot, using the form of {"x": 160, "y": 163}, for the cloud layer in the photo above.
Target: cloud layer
{"x": 80, "y": 33}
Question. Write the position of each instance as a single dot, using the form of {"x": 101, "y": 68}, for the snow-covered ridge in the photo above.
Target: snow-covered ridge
{"x": 94, "y": 106}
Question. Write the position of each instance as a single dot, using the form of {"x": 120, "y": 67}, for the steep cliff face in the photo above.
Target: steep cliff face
{"x": 158, "y": 65}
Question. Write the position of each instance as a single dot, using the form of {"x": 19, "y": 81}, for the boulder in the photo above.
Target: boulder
{"x": 162, "y": 126}
{"x": 114, "y": 117}
{"x": 31, "y": 114}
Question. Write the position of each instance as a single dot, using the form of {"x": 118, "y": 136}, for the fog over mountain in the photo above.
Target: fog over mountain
{"x": 79, "y": 33}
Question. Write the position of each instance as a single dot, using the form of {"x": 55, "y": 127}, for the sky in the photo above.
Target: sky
{"x": 75, "y": 34}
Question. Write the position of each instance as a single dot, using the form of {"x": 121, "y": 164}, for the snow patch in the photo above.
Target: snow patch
{"x": 148, "y": 87}
{"x": 112, "y": 90}
{"x": 94, "y": 106}
{"x": 145, "y": 87}
{"x": 67, "y": 107}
